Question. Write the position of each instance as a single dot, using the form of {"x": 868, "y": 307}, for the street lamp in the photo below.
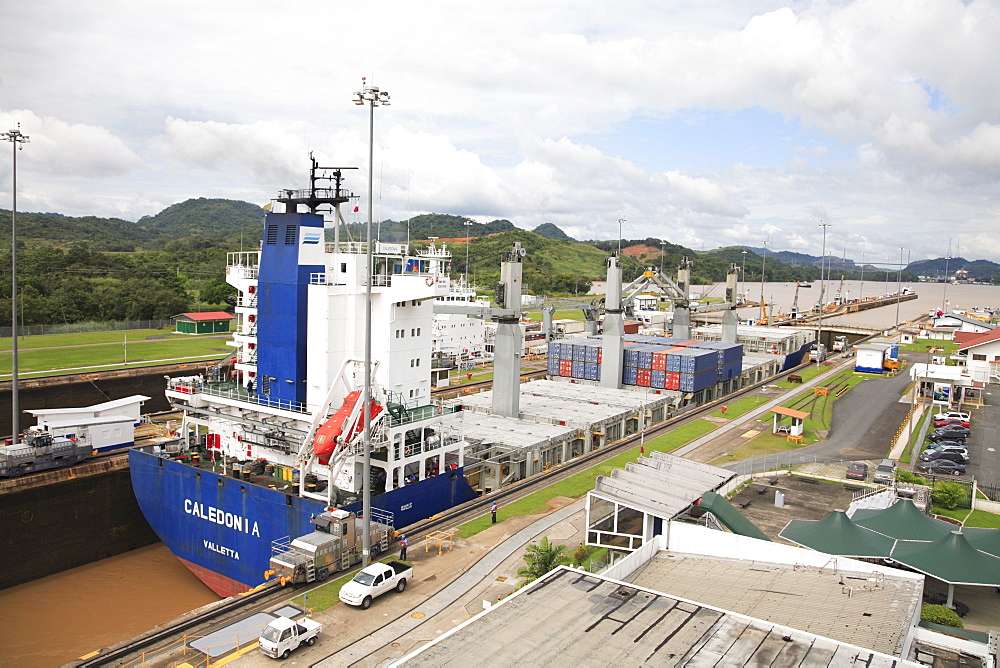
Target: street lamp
{"x": 861, "y": 292}
{"x": 468, "y": 242}
{"x": 763, "y": 262}
{"x": 374, "y": 97}
{"x": 620, "y": 221}
{"x": 899, "y": 281}
{"x": 17, "y": 142}
{"x": 743, "y": 273}
{"x": 662, "y": 249}
{"x": 822, "y": 290}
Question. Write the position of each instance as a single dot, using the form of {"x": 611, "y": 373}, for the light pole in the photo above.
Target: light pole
{"x": 620, "y": 221}
{"x": 743, "y": 273}
{"x": 861, "y": 292}
{"x": 763, "y": 262}
{"x": 899, "y": 283}
{"x": 17, "y": 142}
{"x": 374, "y": 97}
{"x": 468, "y": 243}
{"x": 822, "y": 289}
{"x": 662, "y": 251}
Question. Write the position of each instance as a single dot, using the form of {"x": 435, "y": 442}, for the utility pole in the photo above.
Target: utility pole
{"x": 822, "y": 290}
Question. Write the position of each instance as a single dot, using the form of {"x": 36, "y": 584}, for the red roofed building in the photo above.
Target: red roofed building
{"x": 209, "y": 322}
{"x": 983, "y": 356}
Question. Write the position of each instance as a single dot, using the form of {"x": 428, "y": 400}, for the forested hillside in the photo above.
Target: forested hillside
{"x": 100, "y": 269}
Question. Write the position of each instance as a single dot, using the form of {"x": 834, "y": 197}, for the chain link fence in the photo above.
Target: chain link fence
{"x": 78, "y": 327}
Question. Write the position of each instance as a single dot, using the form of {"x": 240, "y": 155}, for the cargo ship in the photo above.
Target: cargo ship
{"x": 274, "y": 437}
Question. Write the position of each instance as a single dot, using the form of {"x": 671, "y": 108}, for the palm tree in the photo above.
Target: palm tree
{"x": 541, "y": 559}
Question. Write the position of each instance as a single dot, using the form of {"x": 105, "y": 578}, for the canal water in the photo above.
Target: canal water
{"x": 53, "y": 620}
{"x": 929, "y": 296}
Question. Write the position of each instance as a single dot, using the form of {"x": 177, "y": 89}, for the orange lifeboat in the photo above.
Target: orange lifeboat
{"x": 332, "y": 431}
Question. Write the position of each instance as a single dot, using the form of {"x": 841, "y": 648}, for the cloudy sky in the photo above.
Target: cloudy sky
{"x": 703, "y": 122}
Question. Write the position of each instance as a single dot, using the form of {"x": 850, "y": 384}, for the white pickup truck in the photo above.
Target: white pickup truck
{"x": 375, "y": 580}
{"x": 283, "y": 635}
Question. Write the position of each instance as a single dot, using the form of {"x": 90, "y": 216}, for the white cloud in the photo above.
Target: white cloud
{"x": 561, "y": 112}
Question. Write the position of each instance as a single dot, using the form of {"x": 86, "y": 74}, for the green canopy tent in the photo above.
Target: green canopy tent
{"x": 837, "y": 534}
{"x": 950, "y": 559}
{"x": 985, "y": 540}
{"x": 902, "y": 521}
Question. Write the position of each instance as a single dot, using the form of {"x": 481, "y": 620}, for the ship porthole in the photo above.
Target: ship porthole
{"x": 27, "y": 516}
{"x": 243, "y": 488}
{"x": 221, "y": 482}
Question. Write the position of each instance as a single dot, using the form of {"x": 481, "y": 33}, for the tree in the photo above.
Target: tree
{"x": 542, "y": 558}
{"x": 949, "y": 494}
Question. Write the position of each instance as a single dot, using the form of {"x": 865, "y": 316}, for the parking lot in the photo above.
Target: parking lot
{"x": 984, "y": 461}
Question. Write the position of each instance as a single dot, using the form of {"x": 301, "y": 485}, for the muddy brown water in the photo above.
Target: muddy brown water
{"x": 56, "y": 619}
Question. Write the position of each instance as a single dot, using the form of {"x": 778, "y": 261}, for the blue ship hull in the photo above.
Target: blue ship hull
{"x": 222, "y": 528}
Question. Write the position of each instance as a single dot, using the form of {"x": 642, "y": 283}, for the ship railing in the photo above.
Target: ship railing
{"x": 423, "y": 413}
{"x": 250, "y": 301}
{"x": 361, "y": 248}
{"x": 241, "y": 395}
{"x": 325, "y": 279}
{"x": 435, "y": 252}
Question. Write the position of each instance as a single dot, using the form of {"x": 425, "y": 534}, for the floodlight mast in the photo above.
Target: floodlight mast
{"x": 17, "y": 141}
{"x": 375, "y": 98}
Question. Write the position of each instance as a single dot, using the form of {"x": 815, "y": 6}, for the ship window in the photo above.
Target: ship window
{"x": 272, "y": 234}
{"x": 343, "y": 267}
{"x": 198, "y": 475}
{"x": 243, "y": 488}
{"x": 290, "y": 235}
{"x": 221, "y": 482}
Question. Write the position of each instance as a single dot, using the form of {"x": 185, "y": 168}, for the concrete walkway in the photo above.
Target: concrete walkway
{"x": 470, "y": 578}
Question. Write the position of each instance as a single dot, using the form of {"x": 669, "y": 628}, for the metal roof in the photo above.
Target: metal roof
{"x": 570, "y": 618}
{"x": 662, "y": 485}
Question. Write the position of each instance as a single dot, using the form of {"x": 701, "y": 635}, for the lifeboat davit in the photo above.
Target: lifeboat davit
{"x": 333, "y": 430}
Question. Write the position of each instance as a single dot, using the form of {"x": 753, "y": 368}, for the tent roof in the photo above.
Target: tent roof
{"x": 732, "y": 518}
{"x": 837, "y": 534}
{"x": 902, "y": 521}
{"x": 985, "y": 540}
{"x": 950, "y": 558}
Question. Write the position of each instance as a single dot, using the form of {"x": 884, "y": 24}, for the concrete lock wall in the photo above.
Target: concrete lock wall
{"x": 51, "y": 527}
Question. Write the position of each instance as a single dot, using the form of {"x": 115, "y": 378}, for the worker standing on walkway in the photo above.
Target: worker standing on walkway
{"x": 493, "y": 512}
{"x": 402, "y": 547}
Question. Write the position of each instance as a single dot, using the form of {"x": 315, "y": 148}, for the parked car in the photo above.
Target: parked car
{"x": 885, "y": 472}
{"x": 934, "y": 455}
{"x": 953, "y": 415}
{"x": 282, "y": 636}
{"x": 942, "y": 466}
{"x": 949, "y": 421}
{"x": 375, "y": 580}
{"x": 857, "y": 471}
{"x": 951, "y": 433}
{"x": 947, "y": 446}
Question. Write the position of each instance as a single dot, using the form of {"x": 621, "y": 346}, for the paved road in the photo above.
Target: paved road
{"x": 865, "y": 420}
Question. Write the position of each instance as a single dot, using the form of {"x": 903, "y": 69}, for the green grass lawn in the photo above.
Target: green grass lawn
{"x": 970, "y": 518}
{"x": 923, "y": 345}
{"x": 106, "y": 350}
{"x": 579, "y": 484}
{"x": 819, "y": 407}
